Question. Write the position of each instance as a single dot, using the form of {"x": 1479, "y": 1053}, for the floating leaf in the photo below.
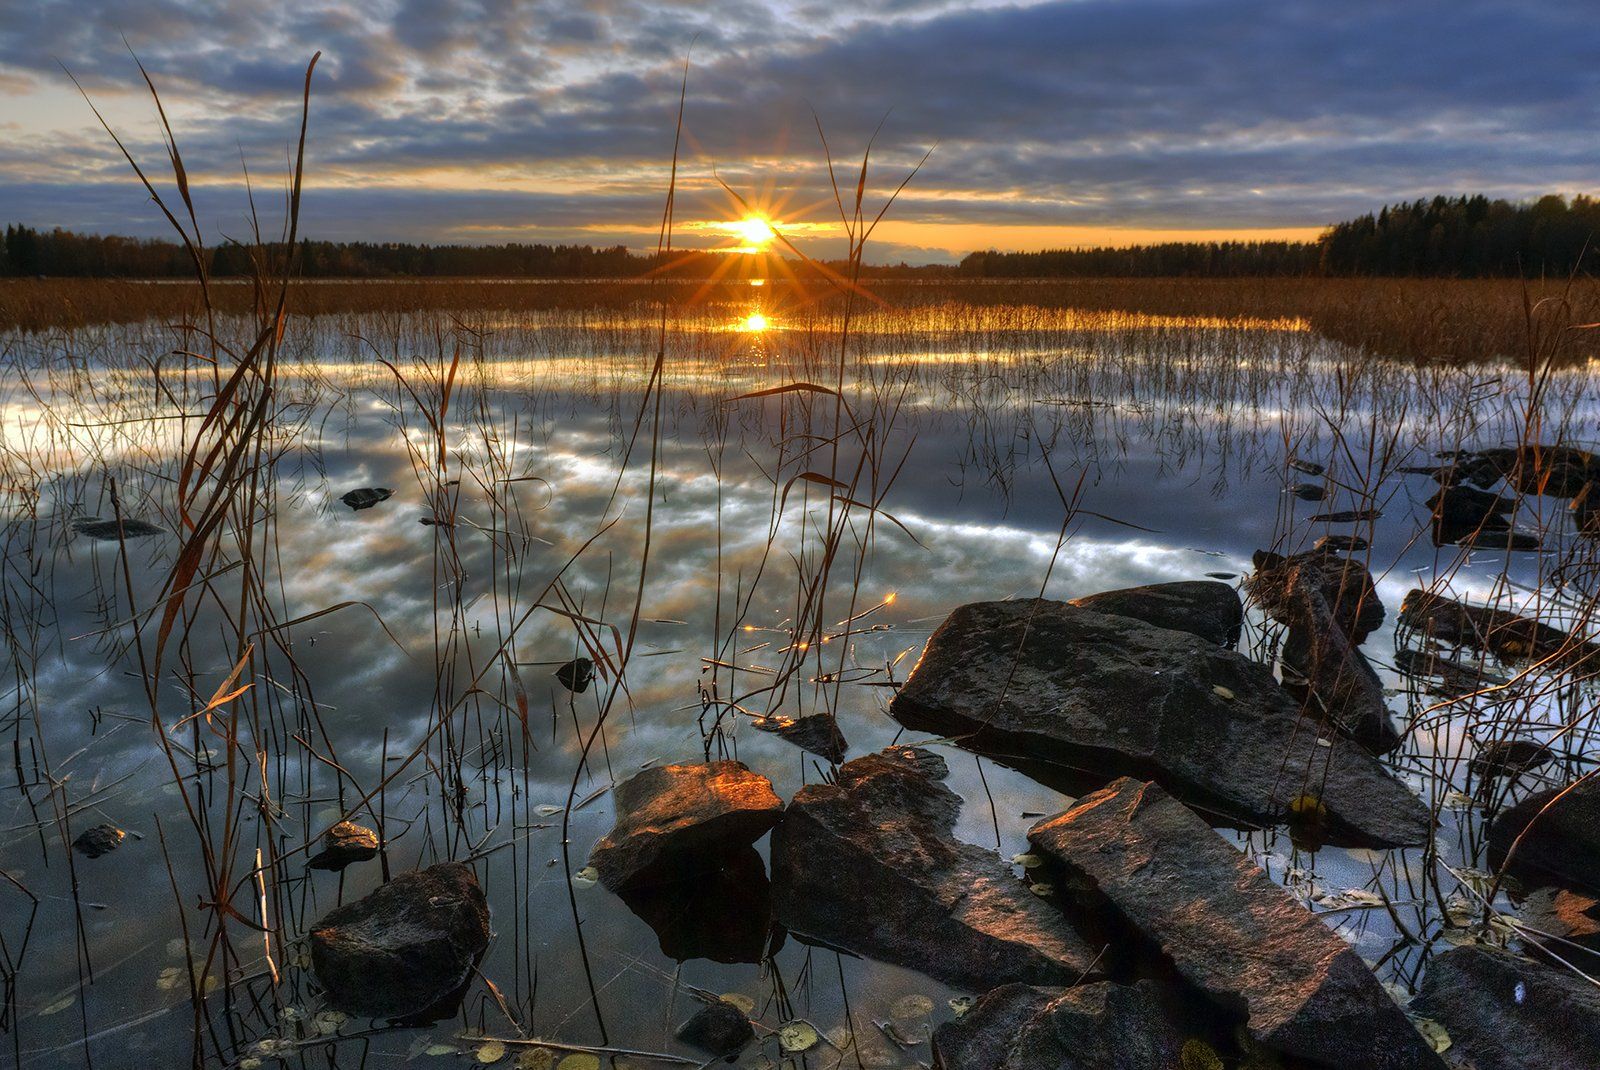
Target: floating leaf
{"x": 328, "y": 1022}
{"x": 746, "y": 1005}
{"x": 1198, "y": 1055}
{"x": 172, "y": 977}
{"x": 586, "y": 877}
{"x": 549, "y": 811}
{"x": 797, "y": 1036}
{"x": 59, "y": 1005}
{"x": 1433, "y": 1033}
{"x": 535, "y": 1059}
{"x": 1042, "y": 889}
{"x": 915, "y": 1005}
{"x": 439, "y": 1049}
{"x": 249, "y": 1062}
{"x": 579, "y": 1061}
{"x": 490, "y": 1051}
{"x": 1027, "y": 860}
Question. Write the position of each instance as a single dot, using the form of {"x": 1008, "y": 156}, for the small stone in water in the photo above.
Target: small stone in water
{"x": 576, "y": 675}
{"x": 366, "y": 497}
{"x": 102, "y": 839}
{"x": 110, "y": 531}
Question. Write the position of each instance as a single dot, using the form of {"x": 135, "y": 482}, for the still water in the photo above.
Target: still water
{"x": 567, "y": 502}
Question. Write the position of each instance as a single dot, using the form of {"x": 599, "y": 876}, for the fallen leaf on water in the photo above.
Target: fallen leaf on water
{"x": 59, "y": 1005}
{"x": 960, "y": 1005}
{"x": 1041, "y": 889}
{"x": 1027, "y": 860}
{"x": 439, "y": 1049}
{"x": 1433, "y": 1033}
{"x": 579, "y": 1061}
{"x": 490, "y": 1051}
{"x": 746, "y": 1005}
{"x": 797, "y": 1036}
{"x": 912, "y": 1006}
{"x": 586, "y": 877}
{"x": 535, "y": 1059}
{"x": 1198, "y": 1055}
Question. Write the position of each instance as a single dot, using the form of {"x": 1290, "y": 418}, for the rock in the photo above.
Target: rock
{"x": 1461, "y": 512}
{"x": 1309, "y": 492}
{"x": 818, "y": 733}
{"x": 1560, "y": 843}
{"x": 1345, "y": 584}
{"x": 1510, "y": 757}
{"x": 1310, "y": 468}
{"x": 1455, "y": 677}
{"x": 576, "y": 675}
{"x": 1100, "y": 1026}
{"x": 100, "y": 840}
{"x": 1341, "y": 688}
{"x": 1562, "y": 917}
{"x": 1585, "y": 509}
{"x": 1352, "y": 544}
{"x": 1090, "y": 696}
{"x": 343, "y": 844}
{"x": 1347, "y": 516}
{"x": 1506, "y": 1013}
{"x": 722, "y": 913}
{"x": 112, "y": 531}
{"x": 719, "y": 1028}
{"x": 1558, "y": 471}
{"x": 676, "y": 819}
{"x": 1504, "y": 634}
{"x": 1230, "y": 930}
{"x": 1201, "y": 607}
{"x": 870, "y": 864}
{"x": 408, "y": 949}
{"x": 365, "y": 497}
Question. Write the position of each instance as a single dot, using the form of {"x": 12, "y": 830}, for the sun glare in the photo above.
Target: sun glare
{"x": 753, "y": 230}
{"x": 754, "y": 323}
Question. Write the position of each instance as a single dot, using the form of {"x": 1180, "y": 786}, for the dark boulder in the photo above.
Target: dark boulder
{"x": 100, "y": 840}
{"x": 1309, "y": 492}
{"x": 365, "y": 497}
{"x": 676, "y": 819}
{"x": 1230, "y": 930}
{"x": 1455, "y": 677}
{"x": 1561, "y": 918}
{"x": 1507, "y": 1013}
{"x": 1348, "y": 516}
{"x": 1461, "y": 512}
{"x": 870, "y": 864}
{"x": 1101, "y": 1026}
{"x": 1559, "y": 830}
{"x": 343, "y": 844}
{"x": 1310, "y": 468}
{"x": 1344, "y": 583}
{"x": 408, "y": 949}
{"x": 817, "y": 733}
{"x": 1509, "y": 637}
{"x": 1497, "y": 758}
{"x": 1077, "y": 697}
{"x": 719, "y": 1028}
{"x": 1348, "y": 544}
{"x": 1205, "y": 608}
{"x": 1557, "y": 471}
{"x": 1500, "y": 540}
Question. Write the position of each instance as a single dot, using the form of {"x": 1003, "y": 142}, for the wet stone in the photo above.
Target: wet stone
{"x": 1559, "y": 837}
{"x": 344, "y": 843}
{"x": 1230, "y": 930}
{"x": 1076, "y": 697}
{"x": 113, "y": 531}
{"x": 817, "y": 733}
{"x": 100, "y": 840}
{"x": 576, "y": 675}
{"x": 1205, "y": 608}
{"x": 871, "y": 865}
{"x": 366, "y": 497}
{"x": 674, "y": 820}
{"x": 1507, "y": 1013}
{"x": 722, "y": 913}
{"x": 719, "y": 1028}
{"x": 407, "y": 950}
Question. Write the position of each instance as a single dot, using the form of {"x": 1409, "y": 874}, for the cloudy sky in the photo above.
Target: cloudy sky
{"x": 1056, "y": 123}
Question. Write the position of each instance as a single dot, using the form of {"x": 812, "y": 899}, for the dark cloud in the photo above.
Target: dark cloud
{"x": 1132, "y": 113}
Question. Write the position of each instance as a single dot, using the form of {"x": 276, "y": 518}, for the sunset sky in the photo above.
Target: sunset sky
{"x": 1063, "y": 123}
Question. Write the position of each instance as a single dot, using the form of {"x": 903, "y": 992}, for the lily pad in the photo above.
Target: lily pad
{"x": 797, "y": 1036}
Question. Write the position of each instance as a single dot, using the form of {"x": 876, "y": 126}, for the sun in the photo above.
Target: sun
{"x": 754, "y": 323}
{"x": 753, "y": 230}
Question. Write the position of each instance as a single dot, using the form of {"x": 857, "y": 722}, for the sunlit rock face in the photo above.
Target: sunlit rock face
{"x": 1089, "y": 694}
{"x": 871, "y": 864}
{"x": 675, "y": 819}
{"x": 1229, "y": 930}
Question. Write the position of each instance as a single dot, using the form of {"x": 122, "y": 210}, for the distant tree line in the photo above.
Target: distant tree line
{"x": 1446, "y": 236}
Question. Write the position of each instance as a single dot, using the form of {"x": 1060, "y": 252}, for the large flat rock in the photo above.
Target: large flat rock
{"x": 1100, "y": 1026}
{"x": 871, "y": 865}
{"x": 674, "y": 819}
{"x": 1559, "y": 830}
{"x": 1073, "y": 695}
{"x": 1206, "y": 608}
{"x": 1506, "y": 1013}
{"x": 1230, "y": 931}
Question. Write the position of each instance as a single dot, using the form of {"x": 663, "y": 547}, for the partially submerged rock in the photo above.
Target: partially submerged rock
{"x": 1348, "y": 516}
{"x": 1510, "y": 757}
{"x": 1309, "y": 492}
{"x": 719, "y": 1028}
{"x": 365, "y": 497}
{"x": 344, "y": 843}
{"x": 1507, "y": 1013}
{"x": 1460, "y": 513}
{"x": 870, "y": 864}
{"x": 1559, "y": 830}
{"x": 1506, "y": 635}
{"x": 1344, "y": 583}
{"x": 1088, "y": 696}
{"x": 1100, "y": 1026}
{"x": 1230, "y": 930}
{"x": 1455, "y": 677}
{"x": 1350, "y": 544}
{"x": 408, "y": 949}
{"x": 676, "y": 819}
{"x": 100, "y": 840}
{"x": 113, "y": 530}
{"x": 1558, "y": 471}
{"x": 817, "y": 733}
{"x": 1562, "y": 917}
{"x": 1205, "y": 608}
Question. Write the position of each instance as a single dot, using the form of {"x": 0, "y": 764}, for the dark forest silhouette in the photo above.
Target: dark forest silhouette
{"x": 1461, "y": 237}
